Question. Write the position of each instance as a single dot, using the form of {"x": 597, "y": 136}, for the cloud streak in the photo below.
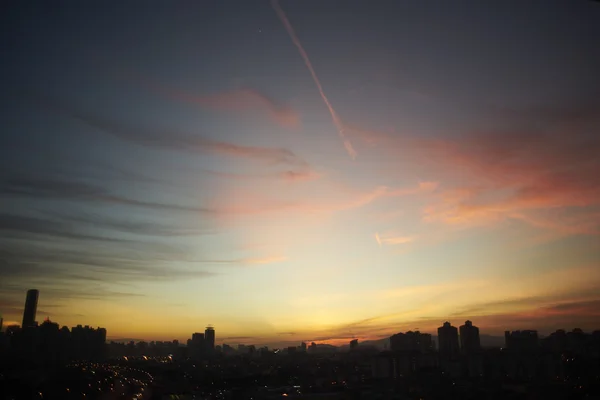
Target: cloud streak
{"x": 170, "y": 139}
{"x": 243, "y": 99}
{"x": 334, "y": 116}
{"x": 51, "y": 188}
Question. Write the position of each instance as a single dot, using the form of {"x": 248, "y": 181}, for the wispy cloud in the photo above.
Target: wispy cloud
{"x": 171, "y": 139}
{"x": 130, "y": 225}
{"x": 265, "y": 260}
{"x": 115, "y": 264}
{"x": 288, "y": 176}
{"x": 243, "y": 99}
{"x": 334, "y": 116}
{"x": 521, "y": 179}
{"x": 53, "y": 188}
{"x": 248, "y": 261}
{"x": 392, "y": 240}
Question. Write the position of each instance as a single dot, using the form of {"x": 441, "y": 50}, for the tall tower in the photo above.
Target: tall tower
{"x": 469, "y": 338}
{"x": 31, "y": 302}
{"x": 448, "y": 340}
{"x": 209, "y": 336}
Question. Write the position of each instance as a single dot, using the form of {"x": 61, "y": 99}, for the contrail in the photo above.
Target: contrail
{"x": 336, "y": 120}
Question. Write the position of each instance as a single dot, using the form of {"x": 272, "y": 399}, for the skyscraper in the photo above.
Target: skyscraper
{"x": 448, "y": 340}
{"x": 469, "y": 338}
{"x": 31, "y": 302}
{"x": 209, "y": 336}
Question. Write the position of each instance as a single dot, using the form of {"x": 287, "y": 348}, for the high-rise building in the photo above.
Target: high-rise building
{"x": 353, "y": 344}
{"x": 1, "y": 322}
{"x": 198, "y": 339}
{"x": 411, "y": 341}
{"x": 303, "y": 347}
{"x": 448, "y": 340}
{"x": 209, "y": 337}
{"x": 31, "y": 302}
{"x": 469, "y": 338}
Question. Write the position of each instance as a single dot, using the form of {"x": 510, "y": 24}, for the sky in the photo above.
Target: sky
{"x": 301, "y": 170}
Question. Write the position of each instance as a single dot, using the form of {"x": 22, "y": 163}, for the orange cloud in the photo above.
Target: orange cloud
{"x": 392, "y": 240}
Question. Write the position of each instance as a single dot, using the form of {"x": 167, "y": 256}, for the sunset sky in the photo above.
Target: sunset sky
{"x": 301, "y": 170}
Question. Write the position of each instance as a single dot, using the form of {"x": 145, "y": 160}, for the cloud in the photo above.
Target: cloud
{"x": 52, "y": 188}
{"x": 288, "y": 176}
{"x": 341, "y": 199}
{"x": 294, "y": 176}
{"x": 38, "y": 264}
{"x": 20, "y": 226}
{"x": 236, "y": 338}
{"x": 130, "y": 225}
{"x": 170, "y": 139}
{"x": 547, "y": 180}
{"x": 239, "y": 100}
{"x": 334, "y": 116}
{"x": 538, "y": 167}
{"x": 248, "y": 261}
{"x": 392, "y": 240}
{"x": 63, "y": 292}
{"x": 588, "y": 308}
{"x": 265, "y": 260}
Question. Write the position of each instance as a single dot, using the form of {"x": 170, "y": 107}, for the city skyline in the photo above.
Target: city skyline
{"x": 301, "y": 171}
{"x": 450, "y": 339}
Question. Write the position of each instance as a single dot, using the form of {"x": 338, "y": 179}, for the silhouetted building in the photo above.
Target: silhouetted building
{"x": 448, "y": 340}
{"x": 303, "y": 347}
{"x": 31, "y": 302}
{"x": 88, "y": 343}
{"x": 209, "y": 337}
{"x": 1, "y": 322}
{"x": 197, "y": 345}
{"x": 469, "y": 338}
{"x": 521, "y": 340}
{"x": 353, "y": 344}
{"x": 411, "y": 341}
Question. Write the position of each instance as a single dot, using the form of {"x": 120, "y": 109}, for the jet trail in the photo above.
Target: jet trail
{"x": 336, "y": 119}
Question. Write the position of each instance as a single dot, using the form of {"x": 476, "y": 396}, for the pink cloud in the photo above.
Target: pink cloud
{"x": 336, "y": 200}
{"x": 536, "y": 178}
{"x": 237, "y": 100}
{"x": 241, "y": 100}
{"x": 393, "y": 239}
